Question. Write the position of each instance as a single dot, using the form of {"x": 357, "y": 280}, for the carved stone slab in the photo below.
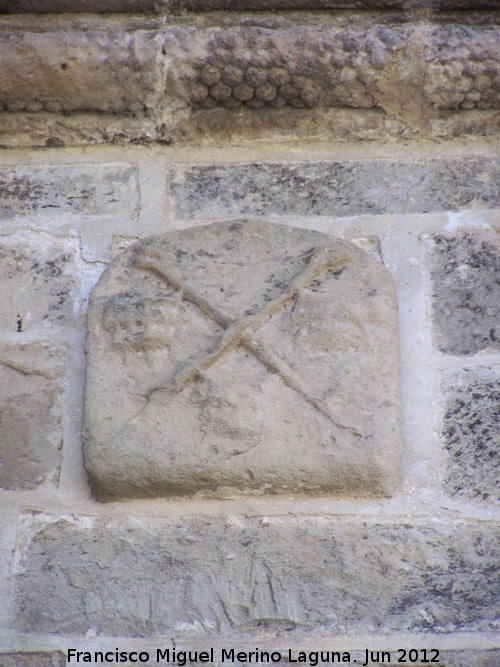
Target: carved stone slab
{"x": 245, "y": 357}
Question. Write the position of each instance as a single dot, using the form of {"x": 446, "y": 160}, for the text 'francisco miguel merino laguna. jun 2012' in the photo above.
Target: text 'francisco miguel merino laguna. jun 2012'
{"x": 234, "y": 656}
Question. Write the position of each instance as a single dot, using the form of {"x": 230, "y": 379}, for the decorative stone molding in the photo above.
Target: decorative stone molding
{"x": 185, "y": 81}
{"x": 244, "y": 357}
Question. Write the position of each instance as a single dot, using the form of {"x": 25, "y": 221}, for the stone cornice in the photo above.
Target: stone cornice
{"x": 174, "y": 6}
{"x": 352, "y": 74}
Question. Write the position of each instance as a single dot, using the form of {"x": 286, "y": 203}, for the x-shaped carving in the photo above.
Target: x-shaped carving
{"x": 241, "y": 331}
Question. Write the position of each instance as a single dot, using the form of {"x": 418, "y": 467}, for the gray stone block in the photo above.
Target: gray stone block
{"x": 39, "y": 282}
{"x": 465, "y": 272}
{"x": 88, "y": 190}
{"x": 33, "y": 659}
{"x": 204, "y": 576}
{"x": 477, "y": 658}
{"x": 471, "y": 436}
{"x": 351, "y": 187}
{"x": 231, "y": 356}
{"x": 30, "y": 415}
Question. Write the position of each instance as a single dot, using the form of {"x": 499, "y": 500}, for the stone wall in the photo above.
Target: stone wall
{"x": 374, "y": 126}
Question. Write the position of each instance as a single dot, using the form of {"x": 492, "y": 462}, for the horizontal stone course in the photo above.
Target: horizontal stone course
{"x": 335, "y": 188}
{"x": 354, "y": 64}
{"x": 203, "y": 576}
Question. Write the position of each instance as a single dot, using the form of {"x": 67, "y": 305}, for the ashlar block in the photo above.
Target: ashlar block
{"x": 243, "y": 357}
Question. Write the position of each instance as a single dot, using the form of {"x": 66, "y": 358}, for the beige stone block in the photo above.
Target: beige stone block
{"x": 245, "y": 357}
{"x": 203, "y": 577}
{"x": 39, "y": 282}
{"x": 75, "y": 69}
{"x": 31, "y": 429}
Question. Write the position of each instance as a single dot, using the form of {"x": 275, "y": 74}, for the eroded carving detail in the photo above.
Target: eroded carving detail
{"x": 240, "y": 357}
{"x": 299, "y": 68}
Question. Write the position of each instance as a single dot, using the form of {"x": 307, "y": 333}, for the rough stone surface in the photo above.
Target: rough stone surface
{"x": 30, "y": 414}
{"x": 72, "y": 6}
{"x": 204, "y": 576}
{"x": 351, "y": 65}
{"x": 243, "y": 356}
{"x": 33, "y": 659}
{"x": 235, "y": 5}
{"x": 39, "y": 282}
{"x": 466, "y": 291}
{"x": 48, "y": 191}
{"x": 335, "y": 188}
{"x": 463, "y": 68}
{"x": 299, "y": 67}
{"x": 471, "y": 436}
{"x": 410, "y": 70}
{"x": 161, "y": 6}
{"x": 63, "y": 71}
{"x": 470, "y": 658}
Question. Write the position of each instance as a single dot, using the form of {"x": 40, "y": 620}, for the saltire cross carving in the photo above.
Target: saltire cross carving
{"x": 241, "y": 331}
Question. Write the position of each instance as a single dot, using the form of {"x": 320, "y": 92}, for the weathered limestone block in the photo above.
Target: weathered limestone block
{"x": 204, "y": 576}
{"x": 465, "y": 276}
{"x": 82, "y": 189}
{"x": 244, "y": 356}
{"x": 274, "y": 5}
{"x": 471, "y": 436}
{"x": 353, "y": 65}
{"x": 489, "y": 658}
{"x": 297, "y": 67}
{"x": 67, "y": 70}
{"x": 407, "y": 69}
{"x": 351, "y": 187}
{"x": 39, "y": 281}
{"x": 463, "y": 70}
{"x": 30, "y": 414}
{"x": 33, "y": 659}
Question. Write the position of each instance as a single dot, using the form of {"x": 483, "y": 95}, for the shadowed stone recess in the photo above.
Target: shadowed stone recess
{"x": 244, "y": 356}
{"x": 466, "y": 291}
{"x": 472, "y": 439}
{"x": 351, "y": 187}
{"x": 173, "y": 6}
{"x": 203, "y": 576}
